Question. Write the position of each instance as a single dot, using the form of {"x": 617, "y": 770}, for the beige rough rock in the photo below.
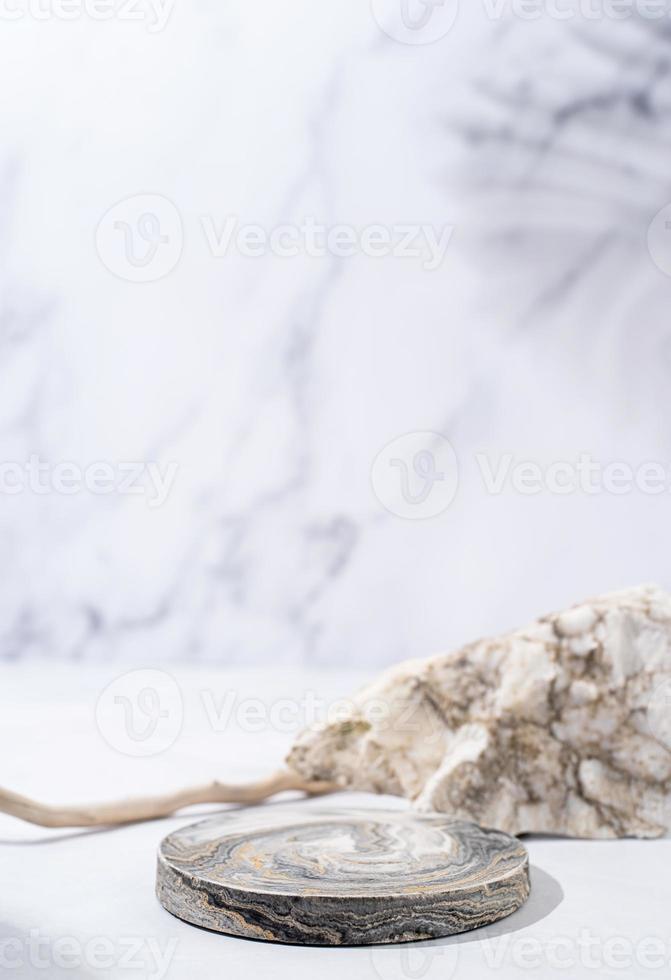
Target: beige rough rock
{"x": 562, "y": 728}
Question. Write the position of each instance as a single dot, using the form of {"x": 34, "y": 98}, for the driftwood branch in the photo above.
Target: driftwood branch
{"x": 149, "y": 808}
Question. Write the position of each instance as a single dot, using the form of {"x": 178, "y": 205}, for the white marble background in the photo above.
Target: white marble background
{"x": 268, "y": 385}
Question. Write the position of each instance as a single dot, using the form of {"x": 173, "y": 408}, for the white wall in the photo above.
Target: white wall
{"x": 265, "y": 387}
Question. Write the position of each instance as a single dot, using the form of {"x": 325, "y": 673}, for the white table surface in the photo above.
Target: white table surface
{"x": 81, "y": 904}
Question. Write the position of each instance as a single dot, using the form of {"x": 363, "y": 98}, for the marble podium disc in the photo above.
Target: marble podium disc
{"x": 340, "y": 877}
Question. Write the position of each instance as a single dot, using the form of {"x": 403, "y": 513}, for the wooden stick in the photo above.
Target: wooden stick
{"x": 149, "y": 808}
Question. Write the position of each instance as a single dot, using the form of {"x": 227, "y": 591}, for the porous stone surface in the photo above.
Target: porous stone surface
{"x": 340, "y": 876}
{"x": 562, "y": 727}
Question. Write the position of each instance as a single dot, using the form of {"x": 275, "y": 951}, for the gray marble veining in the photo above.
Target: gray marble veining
{"x": 271, "y": 382}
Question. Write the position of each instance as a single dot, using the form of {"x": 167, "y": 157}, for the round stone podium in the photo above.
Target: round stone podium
{"x": 318, "y": 876}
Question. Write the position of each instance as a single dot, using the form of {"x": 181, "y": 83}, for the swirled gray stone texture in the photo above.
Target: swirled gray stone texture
{"x": 340, "y": 877}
